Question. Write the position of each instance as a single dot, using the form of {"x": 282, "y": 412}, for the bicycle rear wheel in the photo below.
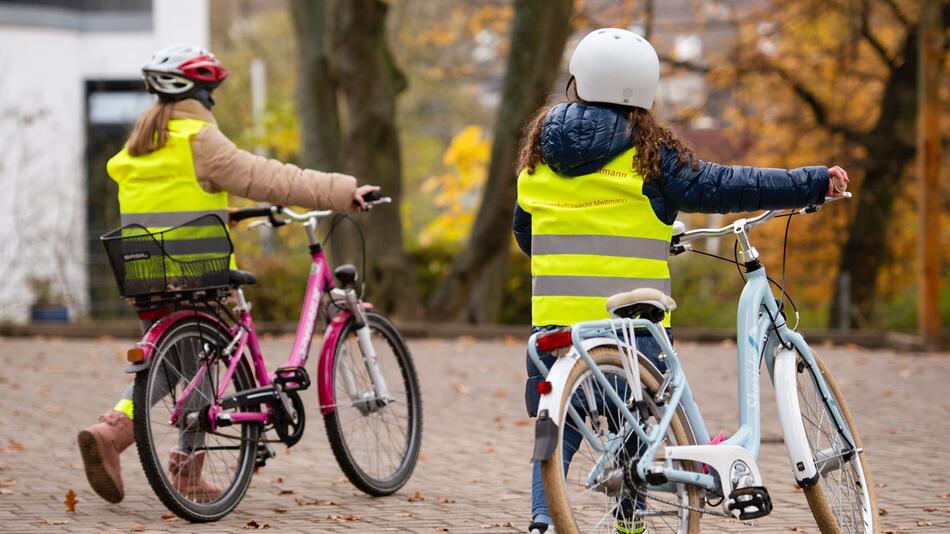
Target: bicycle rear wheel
{"x": 843, "y": 500}
{"x": 375, "y": 441}
{"x": 576, "y": 508}
{"x": 175, "y": 458}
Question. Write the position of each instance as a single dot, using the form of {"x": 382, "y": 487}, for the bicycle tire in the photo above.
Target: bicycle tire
{"x": 150, "y": 457}
{"x": 816, "y": 495}
{"x": 356, "y": 474}
{"x": 552, "y": 473}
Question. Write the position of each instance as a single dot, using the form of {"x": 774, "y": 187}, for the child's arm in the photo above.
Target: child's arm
{"x": 221, "y": 166}
{"x": 715, "y": 188}
{"x": 521, "y": 225}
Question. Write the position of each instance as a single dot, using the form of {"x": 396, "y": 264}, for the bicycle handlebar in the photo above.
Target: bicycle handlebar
{"x": 372, "y": 198}
{"x": 747, "y": 224}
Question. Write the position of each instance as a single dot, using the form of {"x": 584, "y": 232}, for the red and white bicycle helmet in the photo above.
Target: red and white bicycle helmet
{"x": 179, "y": 71}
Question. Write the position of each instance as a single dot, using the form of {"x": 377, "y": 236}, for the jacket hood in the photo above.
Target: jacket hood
{"x": 579, "y": 138}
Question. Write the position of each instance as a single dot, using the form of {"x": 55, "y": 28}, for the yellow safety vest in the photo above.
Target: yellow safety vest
{"x": 159, "y": 190}
{"x": 592, "y": 236}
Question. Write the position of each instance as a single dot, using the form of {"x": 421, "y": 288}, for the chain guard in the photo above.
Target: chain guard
{"x": 287, "y": 430}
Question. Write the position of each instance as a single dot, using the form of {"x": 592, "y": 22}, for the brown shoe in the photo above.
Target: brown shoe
{"x": 185, "y": 473}
{"x": 100, "y": 446}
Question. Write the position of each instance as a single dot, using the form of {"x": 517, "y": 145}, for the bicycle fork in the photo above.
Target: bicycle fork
{"x": 366, "y": 401}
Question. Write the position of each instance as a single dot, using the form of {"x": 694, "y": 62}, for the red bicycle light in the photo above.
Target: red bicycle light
{"x": 555, "y": 340}
{"x": 544, "y": 387}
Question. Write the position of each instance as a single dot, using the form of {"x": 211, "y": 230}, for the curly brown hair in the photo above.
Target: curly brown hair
{"x": 648, "y": 135}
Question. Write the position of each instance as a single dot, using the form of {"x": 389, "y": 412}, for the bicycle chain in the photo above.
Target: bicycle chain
{"x": 696, "y": 509}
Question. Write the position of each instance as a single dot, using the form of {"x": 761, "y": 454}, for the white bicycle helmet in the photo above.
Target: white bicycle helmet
{"x": 179, "y": 71}
{"x": 616, "y": 66}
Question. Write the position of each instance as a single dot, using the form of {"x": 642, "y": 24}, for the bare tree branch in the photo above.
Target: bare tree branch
{"x": 871, "y": 38}
{"x": 898, "y": 14}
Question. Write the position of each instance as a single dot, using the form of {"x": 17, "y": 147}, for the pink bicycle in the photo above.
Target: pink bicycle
{"x": 204, "y": 399}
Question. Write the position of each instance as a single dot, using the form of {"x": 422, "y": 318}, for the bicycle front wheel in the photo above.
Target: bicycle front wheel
{"x": 618, "y": 498}
{"x": 199, "y": 476}
{"x": 375, "y": 440}
{"x": 843, "y": 500}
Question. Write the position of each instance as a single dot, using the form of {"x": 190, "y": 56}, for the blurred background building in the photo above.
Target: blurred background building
{"x": 70, "y": 87}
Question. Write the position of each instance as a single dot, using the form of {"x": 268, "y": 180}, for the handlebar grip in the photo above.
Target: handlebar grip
{"x": 372, "y": 196}
{"x": 250, "y": 213}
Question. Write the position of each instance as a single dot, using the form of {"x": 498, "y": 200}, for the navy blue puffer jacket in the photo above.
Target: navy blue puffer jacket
{"x": 578, "y": 139}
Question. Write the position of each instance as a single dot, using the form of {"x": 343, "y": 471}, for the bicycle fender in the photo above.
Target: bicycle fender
{"x": 546, "y": 433}
{"x": 789, "y": 414}
{"x": 331, "y": 335}
{"x": 325, "y": 394}
{"x": 155, "y": 332}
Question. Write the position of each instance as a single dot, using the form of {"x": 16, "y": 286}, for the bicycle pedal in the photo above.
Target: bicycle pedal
{"x": 264, "y": 452}
{"x": 751, "y": 502}
{"x": 292, "y": 378}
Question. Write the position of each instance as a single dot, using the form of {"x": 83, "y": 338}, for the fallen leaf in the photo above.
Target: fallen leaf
{"x": 254, "y": 525}
{"x": 281, "y": 510}
{"x": 423, "y": 457}
{"x": 461, "y": 389}
{"x": 286, "y": 492}
{"x": 798, "y": 529}
{"x": 405, "y": 514}
{"x": 441, "y": 529}
{"x": 13, "y": 446}
{"x": 169, "y": 517}
{"x": 882, "y": 511}
{"x": 489, "y": 450}
{"x": 501, "y": 394}
{"x": 70, "y": 502}
{"x": 931, "y": 510}
{"x": 344, "y": 518}
{"x": 522, "y": 422}
{"x": 5, "y": 491}
{"x": 445, "y": 500}
{"x": 138, "y": 527}
{"x": 51, "y": 522}
{"x": 416, "y": 497}
{"x": 7, "y": 482}
{"x": 922, "y": 523}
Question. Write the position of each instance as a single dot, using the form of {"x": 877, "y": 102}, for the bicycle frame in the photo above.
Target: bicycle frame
{"x": 761, "y": 329}
{"x": 244, "y": 336}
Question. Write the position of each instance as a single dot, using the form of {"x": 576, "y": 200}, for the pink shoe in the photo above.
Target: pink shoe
{"x": 720, "y": 437}
{"x": 184, "y": 470}
{"x": 100, "y": 446}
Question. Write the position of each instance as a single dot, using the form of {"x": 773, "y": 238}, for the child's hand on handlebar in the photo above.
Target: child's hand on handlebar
{"x": 837, "y": 182}
{"x": 359, "y": 203}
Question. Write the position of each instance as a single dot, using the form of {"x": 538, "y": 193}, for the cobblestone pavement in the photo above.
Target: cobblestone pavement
{"x": 473, "y": 472}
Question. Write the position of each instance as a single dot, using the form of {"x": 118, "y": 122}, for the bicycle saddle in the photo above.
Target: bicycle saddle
{"x": 241, "y": 278}
{"x": 644, "y": 302}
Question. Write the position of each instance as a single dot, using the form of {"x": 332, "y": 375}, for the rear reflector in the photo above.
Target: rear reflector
{"x": 544, "y": 387}
{"x": 555, "y": 340}
{"x": 151, "y": 315}
{"x": 136, "y": 355}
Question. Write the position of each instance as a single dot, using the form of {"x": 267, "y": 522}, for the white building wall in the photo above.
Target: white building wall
{"x": 42, "y": 143}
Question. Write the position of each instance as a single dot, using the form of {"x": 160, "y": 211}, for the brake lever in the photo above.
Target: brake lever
{"x": 383, "y": 200}
{"x": 258, "y": 223}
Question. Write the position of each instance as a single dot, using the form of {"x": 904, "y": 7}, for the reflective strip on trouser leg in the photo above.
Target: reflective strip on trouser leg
{"x": 124, "y": 406}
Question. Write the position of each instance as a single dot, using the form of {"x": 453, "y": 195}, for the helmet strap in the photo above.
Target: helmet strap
{"x": 203, "y": 95}
{"x": 567, "y": 88}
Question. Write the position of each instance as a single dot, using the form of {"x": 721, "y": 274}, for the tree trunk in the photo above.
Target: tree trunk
{"x": 369, "y": 80}
{"x": 475, "y": 283}
{"x": 316, "y": 88}
{"x": 890, "y": 149}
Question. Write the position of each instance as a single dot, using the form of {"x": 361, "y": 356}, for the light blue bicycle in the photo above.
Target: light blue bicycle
{"x": 641, "y": 458}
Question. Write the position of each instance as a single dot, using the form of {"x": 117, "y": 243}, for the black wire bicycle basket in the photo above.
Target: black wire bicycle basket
{"x": 192, "y": 257}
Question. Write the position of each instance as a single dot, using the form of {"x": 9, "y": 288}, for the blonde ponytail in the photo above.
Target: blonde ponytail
{"x": 151, "y": 130}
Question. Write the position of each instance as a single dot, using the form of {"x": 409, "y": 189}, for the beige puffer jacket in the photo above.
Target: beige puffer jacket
{"x": 222, "y": 166}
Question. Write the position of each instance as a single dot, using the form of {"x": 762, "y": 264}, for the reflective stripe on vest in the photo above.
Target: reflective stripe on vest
{"x": 159, "y": 190}
{"x": 592, "y": 236}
